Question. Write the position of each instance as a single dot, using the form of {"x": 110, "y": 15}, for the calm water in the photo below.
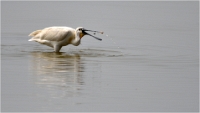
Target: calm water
{"x": 155, "y": 68}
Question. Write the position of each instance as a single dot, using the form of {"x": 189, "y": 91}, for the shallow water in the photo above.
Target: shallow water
{"x": 149, "y": 61}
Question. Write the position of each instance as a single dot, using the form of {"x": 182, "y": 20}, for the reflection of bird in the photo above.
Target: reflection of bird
{"x": 48, "y": 62}
{"x": 56, "y": 37}
{"x": 60, "y": 72}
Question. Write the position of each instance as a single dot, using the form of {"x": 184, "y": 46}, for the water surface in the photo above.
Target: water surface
{"x": 149, "y": 61}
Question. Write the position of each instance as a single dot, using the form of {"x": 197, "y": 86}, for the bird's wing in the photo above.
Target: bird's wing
{"x": 53, "y": 33}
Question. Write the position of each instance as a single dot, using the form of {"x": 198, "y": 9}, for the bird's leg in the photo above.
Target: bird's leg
{"x": 57, "y": 48}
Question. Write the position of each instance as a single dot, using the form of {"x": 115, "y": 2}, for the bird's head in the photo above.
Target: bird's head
{"x": 82, "y": 31}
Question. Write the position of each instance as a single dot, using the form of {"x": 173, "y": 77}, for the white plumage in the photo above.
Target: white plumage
{"x": 56, "y": 37}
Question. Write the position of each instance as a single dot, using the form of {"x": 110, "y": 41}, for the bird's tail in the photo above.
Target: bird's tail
{"x": 34, "y": 33}
{"x": 30, "y": 40}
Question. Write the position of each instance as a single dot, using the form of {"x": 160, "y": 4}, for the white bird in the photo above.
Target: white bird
{"x": 56, "y": 37}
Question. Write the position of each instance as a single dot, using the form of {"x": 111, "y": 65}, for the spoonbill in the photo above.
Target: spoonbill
{"x": 58, "y": 36}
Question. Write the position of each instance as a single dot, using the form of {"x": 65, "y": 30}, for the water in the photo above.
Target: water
{"x": 113, "y": 41}
{"x": 148, "y": 59}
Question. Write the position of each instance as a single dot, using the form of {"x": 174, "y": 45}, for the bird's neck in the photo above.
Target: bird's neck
{"x": 77, "y": 40}
{"x": 77, "y": 36}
